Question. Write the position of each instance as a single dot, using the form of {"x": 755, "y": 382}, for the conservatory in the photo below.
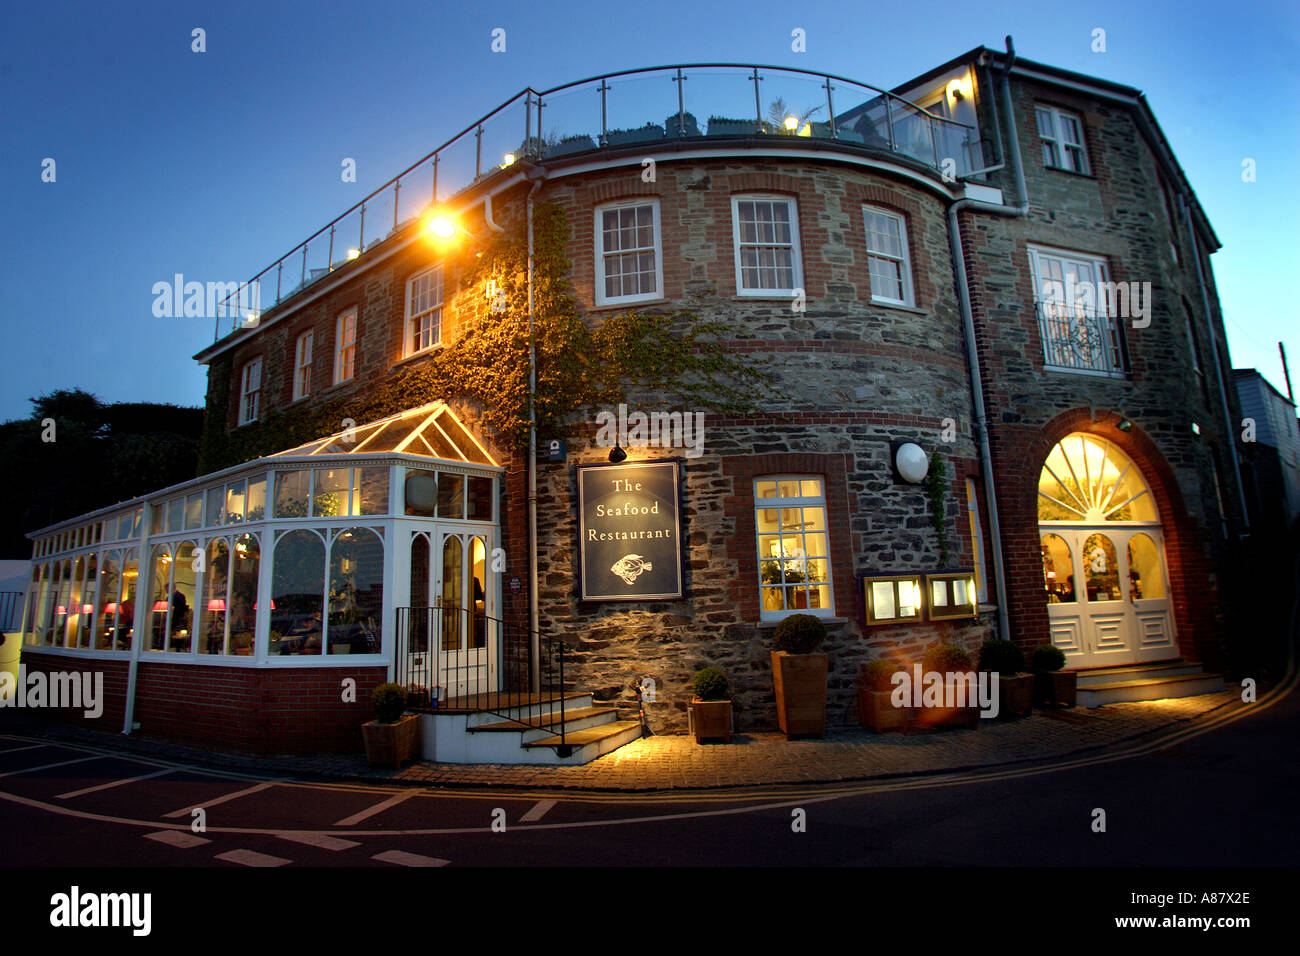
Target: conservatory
{"x": 298, "y": 559}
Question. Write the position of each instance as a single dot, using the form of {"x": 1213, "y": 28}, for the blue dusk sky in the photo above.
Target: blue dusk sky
{"x": 214, "y": 164}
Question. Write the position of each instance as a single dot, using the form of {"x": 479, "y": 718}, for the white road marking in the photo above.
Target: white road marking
{"x": 177, "y": 838}
{"x": 49, "y": 766}
{"x": 252, "y": 858}
{"x": 110, "y": 785}
{"x": 402, "y": 858}
{"x": 322, "y": 840}
{"x": 187, "y": 810}
{"x": 14, "y": 750}
{"x": 377, "y": 808}
{"x": 539, "y": 810}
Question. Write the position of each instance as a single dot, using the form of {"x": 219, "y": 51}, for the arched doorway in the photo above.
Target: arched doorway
{"x": 1103, "y": 556}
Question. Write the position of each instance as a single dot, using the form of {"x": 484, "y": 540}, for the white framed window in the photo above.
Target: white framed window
{"x": 888, "y": 261}
{"x": 302, "y": 365}
{"x": 250, "y": 392}
{"x": 629, "y": 265}
{"x": 423, "y": 311}
{"x": 345, "y": 346}
{"x": 1061, "y": 133}
{"x": 766, "y": 231}
{"x": 1074, "y": 299}
{"x": 976, "y": 542}
{"x": 793, "y": 540}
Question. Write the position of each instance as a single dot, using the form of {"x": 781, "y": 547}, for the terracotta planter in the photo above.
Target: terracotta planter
{"x": 391, "y": 745}
{"x": 800, "y": 684}
{"x": 711, "y": 719}
{"x": 876, "y": 712}
{"x": 1056, "y": 687}
{"x": 1015, "y": 695}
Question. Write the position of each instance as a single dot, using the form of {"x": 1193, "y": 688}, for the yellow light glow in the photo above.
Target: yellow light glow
{"x": 792, "y": 123}
{"x": 959, "y": 88}
{"x": 441, "y": 226}
{"x": 353, "y": 253}
{"x": 509, "y": 160}
{"x": 807, "y": 130}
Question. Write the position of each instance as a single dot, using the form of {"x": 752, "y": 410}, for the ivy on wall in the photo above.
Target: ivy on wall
{"x": 936, "y": 483}
{"x": 579, "y": 367}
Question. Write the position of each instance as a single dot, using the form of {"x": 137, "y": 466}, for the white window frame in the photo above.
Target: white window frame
{"x": 1066, "y": 154}
{"x": 601, "y": 253}
{"x": 1109, "y": 324}
{"x": 795, "y": 258}
{"x": 794, "y": 502}
{"x": 433, "y": 312}
{"x": 302, "y": 360}
{"x": 904, "y": 263}
{"x": 342, "y": 347}
{"x": 250, "y": 391}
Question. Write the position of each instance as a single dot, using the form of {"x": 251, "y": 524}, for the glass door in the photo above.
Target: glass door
{"x": 466, "y": 657}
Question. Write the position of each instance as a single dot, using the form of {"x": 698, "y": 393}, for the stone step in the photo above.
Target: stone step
{"x": 573, "y": 716}
{"x": 1092, "y": 676}
{"x": 592, "y": 735}
{"x": 1152, "y": 688}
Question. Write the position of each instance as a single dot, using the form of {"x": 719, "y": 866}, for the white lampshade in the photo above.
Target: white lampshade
{"x": 912, "y": 462}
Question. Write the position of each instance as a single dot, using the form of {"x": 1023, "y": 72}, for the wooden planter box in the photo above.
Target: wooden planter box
{"x": 800, "y": 684}
{"x": 1056, "y": 687}
{"x": 1015, "y": 695}
{"x": 927, "y": 718}
{"x": 391, "y": 745}
{"x": 875, "y": 712}
{"x": 711, "y": 719}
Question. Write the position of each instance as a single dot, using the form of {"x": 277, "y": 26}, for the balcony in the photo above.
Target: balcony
{"x": 1079, "y": 338}
{"x": 676, "y": 107}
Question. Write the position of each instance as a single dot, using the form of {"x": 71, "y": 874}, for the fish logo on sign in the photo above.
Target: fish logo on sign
{"x": 630, "y": 566}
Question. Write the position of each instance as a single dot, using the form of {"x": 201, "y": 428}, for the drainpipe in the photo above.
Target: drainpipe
{"x": 533, "y": 630}
{"x": 968, "y": 330}
{"x": 142, "y": 616}
{"x": 1230, "y": 435}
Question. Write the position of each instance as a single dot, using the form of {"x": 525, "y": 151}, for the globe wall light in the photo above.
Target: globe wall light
{"x": 912, "y": 462}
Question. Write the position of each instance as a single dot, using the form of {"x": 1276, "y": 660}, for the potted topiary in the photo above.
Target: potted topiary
{"x": 1051, "y": 684}
{"x": 711, "y": 709}
{"x": 390, "y": 738}
{"x": 876, "y": 708}
{"x": 948, "y": 659}
{"x": 1015, "y": 685}
{"x": 799, "y": 676}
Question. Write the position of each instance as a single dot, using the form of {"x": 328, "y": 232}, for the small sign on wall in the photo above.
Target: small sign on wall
{"x": 629, "y": 531}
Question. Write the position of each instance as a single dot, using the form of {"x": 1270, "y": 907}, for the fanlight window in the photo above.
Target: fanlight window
{"x": 1089, "y": 480}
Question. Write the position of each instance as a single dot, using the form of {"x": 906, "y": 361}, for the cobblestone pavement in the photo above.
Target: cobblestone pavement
{"x": 753, "y": 759}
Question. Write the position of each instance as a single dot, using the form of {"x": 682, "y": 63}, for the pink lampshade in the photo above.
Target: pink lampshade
{"x": 87, "y": 609}
{"x": 272, "y": 605}
{"x": 217, "y": 604}
{"x": 160, "y": 606}
{"x": 110, "y": 607}
{"x": 60, "y": 609}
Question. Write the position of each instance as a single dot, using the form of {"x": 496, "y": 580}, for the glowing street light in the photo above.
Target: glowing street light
{"x": 441, "y": 226}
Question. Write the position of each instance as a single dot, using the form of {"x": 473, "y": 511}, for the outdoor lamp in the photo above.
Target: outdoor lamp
{"x": 441, "y": 226}
{"x": 1125, "y": 425}
{"x": 912, "y": 463}
{"x": 617, "y": 454}
{"x": 792, "y": 123}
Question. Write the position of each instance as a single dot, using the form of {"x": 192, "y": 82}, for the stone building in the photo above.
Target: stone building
{"x": 999, "y": 263}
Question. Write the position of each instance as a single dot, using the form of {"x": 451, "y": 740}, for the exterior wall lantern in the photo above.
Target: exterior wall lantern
{"x": 911, "y": 462}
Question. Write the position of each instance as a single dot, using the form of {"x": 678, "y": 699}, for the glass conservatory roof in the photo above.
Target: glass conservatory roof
{"x": 432, "y": 431}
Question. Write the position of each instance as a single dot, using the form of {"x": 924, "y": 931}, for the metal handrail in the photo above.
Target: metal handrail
{"x": 534, "y": 102}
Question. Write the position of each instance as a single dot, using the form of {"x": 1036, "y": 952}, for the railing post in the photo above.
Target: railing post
{"x": 604, "y": 123}
{"x": 934, "y": 137}
{"x": 279, "y": 268}
{"x": 889, "y": 122}
{"x": 478, "y": 151}
{"x": 758, "y": 109}
{"x": 330, "y": 266}
{"x": 397, "y": 196}
{"x": 304, "y": 263}
{"x": 528, "y": 123}
{"x": 830, "y": 109}
{"x": 679, "y": 79}
{"x": 540, "y": 139}
{"x": 361, "y": 239}
{"x": 559, "y": 644}
{"x": 436, "y": 157}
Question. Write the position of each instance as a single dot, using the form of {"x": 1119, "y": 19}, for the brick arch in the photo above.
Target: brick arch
{"x": 1192, "y": 595}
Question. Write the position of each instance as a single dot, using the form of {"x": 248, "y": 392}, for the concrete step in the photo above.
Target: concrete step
{"x": 603, "y": 738}
{"x": 575, "y": 718}
{"x": 1151, "y": 688}
{"x": 1092, "y": 676}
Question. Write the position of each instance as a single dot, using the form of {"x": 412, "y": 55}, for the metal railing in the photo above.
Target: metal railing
{"x": 444, "y": 660}
{"x": 643, "y": 107}
{"x": 1081, "y": 338}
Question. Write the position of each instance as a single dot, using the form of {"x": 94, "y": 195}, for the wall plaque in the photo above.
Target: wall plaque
{"x": 629, "y": 531}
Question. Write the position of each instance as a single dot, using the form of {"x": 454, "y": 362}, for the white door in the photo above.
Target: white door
{"x": 1107, "y": 594}
{"x": 465, "y": 643}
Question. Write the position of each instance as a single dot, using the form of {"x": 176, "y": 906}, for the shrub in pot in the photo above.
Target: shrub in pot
{"x": 391, "y": 738}
{"x": 799, "y": 676}
{"x": 1052, "y": 685}
{"x": 876, "y": 709}
{"x": 711, "y": 709}
{"x": 948, "y": 659}
{"x": 1015, "y": 684}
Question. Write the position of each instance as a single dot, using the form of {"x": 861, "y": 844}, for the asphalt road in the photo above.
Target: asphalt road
{"x": 1223, "y": 796}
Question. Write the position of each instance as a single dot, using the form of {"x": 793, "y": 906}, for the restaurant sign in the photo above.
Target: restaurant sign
{"x": 629, "y": 532}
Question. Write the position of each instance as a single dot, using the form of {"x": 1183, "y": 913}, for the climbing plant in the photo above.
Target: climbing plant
{"x": 579, "y": 366}
{"x": 935, "y": 485}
